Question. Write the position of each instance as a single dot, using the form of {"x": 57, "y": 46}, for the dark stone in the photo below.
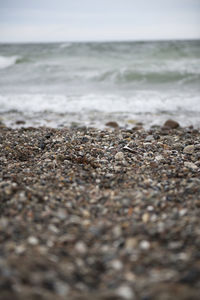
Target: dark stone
{"x": 171, "y": 124}
{"x": 42, "y": 145}
{"x": 112, "y": 124}
{"x": 48, "y": 135}
{"x": 20, "y": 122}
{"x": 84, "y": 139}
{"x": 191, "y": 276}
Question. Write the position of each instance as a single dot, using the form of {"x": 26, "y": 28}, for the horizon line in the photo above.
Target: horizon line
{"x": 102, "y": 41}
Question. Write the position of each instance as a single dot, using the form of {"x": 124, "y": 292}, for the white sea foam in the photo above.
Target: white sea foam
{"x": 7, "y": 61}
{"x": 138, "y": 102}
{"x": 95, "y": 109}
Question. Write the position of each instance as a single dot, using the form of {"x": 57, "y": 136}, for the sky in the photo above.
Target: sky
{"x": 98, "y": 20}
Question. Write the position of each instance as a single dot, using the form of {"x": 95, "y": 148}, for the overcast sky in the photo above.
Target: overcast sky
{"x": 85, "y": 20}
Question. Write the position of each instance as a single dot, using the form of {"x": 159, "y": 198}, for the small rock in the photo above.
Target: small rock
{"x": 144, "y": 245}
{"x": 159, "y": 157}
{"x": 20, "y": 122}
{"x": 42, "y": 145}
{"x": 130, "y": 244}
{"x": 112, "y": 124}
{"x": 116, "y": 265}
{"x": 125, "y": 292}
{"x": 48, "y": 135}
{"x": 190, "y": 165}
{"x": 117, "y": 169}
{"x": 62, "y": 214}
{"x": 197, "y": 147}
{"x": 85, "y": 139}
{"x": 80, "y": 247}
{"x": 117, "y": 231}
{"x": 183, "y": 212}
{"x": 53, "y": 228}
{"x": 20, "y": 249}
{"x": 60, "y": 157}
{"x": 150, "y": 208}
{"x": 189, "y": 149}
{"x": 33, "y": 240}
{"x": 62, "y": 288}
{"x": 119, "y": 156}
{"x": 171, "y": 124}
{"x": 145, "y": 217}
{"x": 149, "y": 138}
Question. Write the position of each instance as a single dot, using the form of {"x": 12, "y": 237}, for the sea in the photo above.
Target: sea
{"x": 90, "y": 84}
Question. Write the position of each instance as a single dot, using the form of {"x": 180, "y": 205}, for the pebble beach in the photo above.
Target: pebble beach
{"x": 110, "y": 214}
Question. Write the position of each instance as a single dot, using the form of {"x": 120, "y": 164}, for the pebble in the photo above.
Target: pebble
{"x": 20, "y": 249}
{"x": 144, "y": 245}
{"x": 149, "y": 138}
{"x": 125, "y": 292}
{"x": 145, "y": 217}
{"x": 190, "y": 165}
{"x": 112, "y": 124}
{"x": 183, "y": 212}
{"x": 171, "y": 124}
{"x": 131, "y": 243}
{"x": 116, "y": 265}
{"x": 81, "y": 247}
{"x": 119, "y": 156}
{"x": 189, "y": 149}
{"x": 33, "y": 240}
{"x": 159, "y": 157}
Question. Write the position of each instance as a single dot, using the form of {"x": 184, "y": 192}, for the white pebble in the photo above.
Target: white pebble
{"x": 116, "y": 265}
{"x": 32, "y": 240}
{"x": 189, "y": 149}
{"x": 183, "y": 212}
{"x": 125, "y": 292}
{"x": 119, "y": 156}
{"x": 144, "y": 245}
{"x": 190, "y": 165}
{"x": 81, "y": 247}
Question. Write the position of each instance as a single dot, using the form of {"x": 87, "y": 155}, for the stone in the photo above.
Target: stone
{"x": 33, "y": 240}
{"x": 125, "y": 292}
{"x": 145, "y": 217}
{"x": 159, "y": 158}
{"x": 190, "y": 165}
{"x": 20, "y": 122}
{"x": 131, "y": 243}
{"x": 149, "y": 138}
{"x": 189, "y": 149}
{"x": 112, "y": 124}
{"x": 197, "y": 147}
{"x": 81, "y": 247}
{"x": 119, "y": 156}
{"x": 144, "y": 245}
{"x": 116, "y": 265}
{"x": 171, "y": 124}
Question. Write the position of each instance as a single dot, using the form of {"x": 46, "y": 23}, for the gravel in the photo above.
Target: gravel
{"x": 100, "y": 214}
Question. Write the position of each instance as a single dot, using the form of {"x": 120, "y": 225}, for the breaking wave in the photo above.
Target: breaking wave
{"x": 7, "y": 61}
{"x": 128, "y": 76}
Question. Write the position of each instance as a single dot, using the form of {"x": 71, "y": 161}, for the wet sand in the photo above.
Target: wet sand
{"x": 99, "y": 214}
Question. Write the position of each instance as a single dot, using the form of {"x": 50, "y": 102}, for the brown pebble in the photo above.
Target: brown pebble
{"x": 112, "y": 124}
{"x": 171, "y": 124}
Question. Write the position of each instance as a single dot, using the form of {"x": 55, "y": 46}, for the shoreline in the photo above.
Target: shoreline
{"x": 100, "y": 214}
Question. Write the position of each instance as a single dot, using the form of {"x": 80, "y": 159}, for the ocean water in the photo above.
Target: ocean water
{"x": 93, "y": 83}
